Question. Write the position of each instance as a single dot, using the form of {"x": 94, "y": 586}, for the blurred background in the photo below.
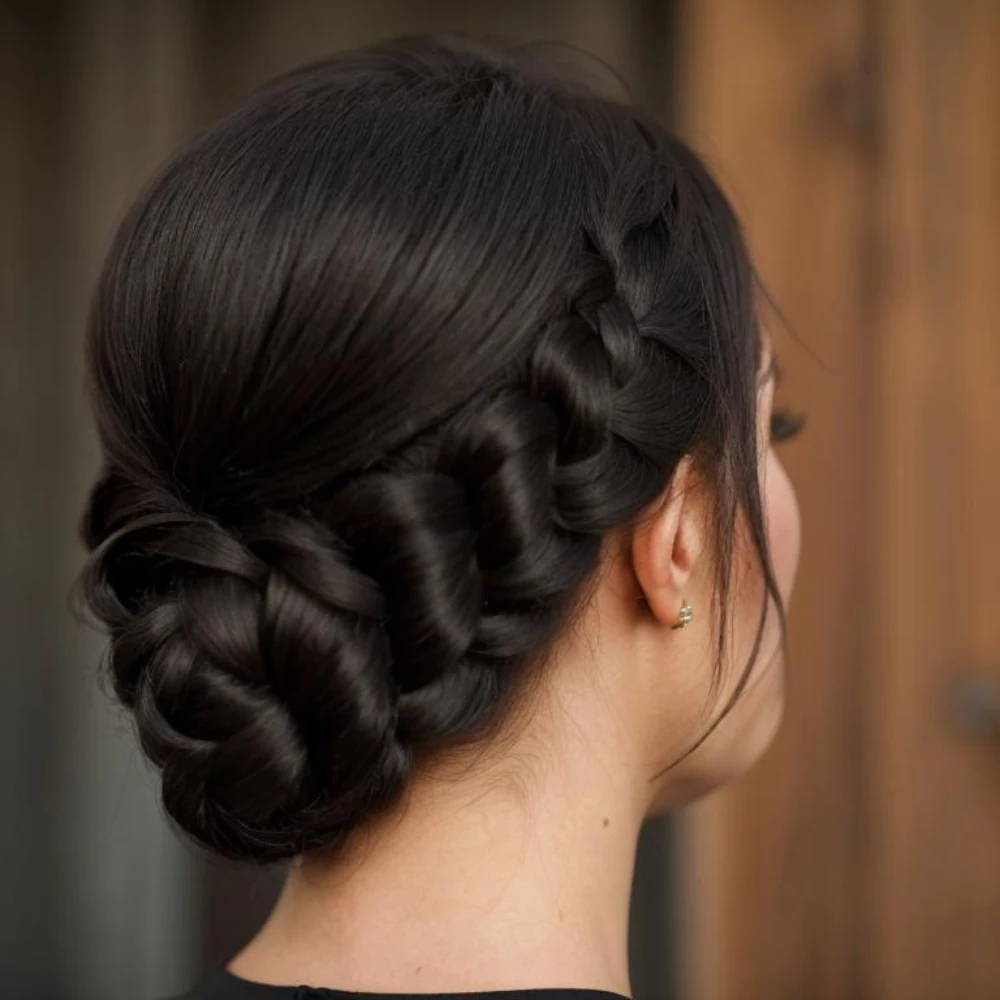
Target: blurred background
{"x": 860, "y": 140}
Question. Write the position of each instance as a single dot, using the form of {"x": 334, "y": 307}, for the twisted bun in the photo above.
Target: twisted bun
{"x": 365, "y": 426}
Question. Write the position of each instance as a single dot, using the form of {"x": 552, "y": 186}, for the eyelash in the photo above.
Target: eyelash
{"x": 785, "y": 425}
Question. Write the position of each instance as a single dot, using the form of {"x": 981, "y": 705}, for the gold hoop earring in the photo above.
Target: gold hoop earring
{"x": 685, "y": 616}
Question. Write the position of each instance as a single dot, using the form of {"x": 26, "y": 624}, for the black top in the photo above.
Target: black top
{"x": 225, "y": 986}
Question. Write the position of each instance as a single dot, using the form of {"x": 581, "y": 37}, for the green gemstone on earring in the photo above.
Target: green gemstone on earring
{"x": 685, "y": 615}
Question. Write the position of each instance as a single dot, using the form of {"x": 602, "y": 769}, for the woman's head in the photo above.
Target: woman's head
{"x": 412, "y": 376}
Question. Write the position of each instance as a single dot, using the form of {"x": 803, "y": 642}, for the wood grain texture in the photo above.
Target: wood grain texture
{"x": 778, "y": 97}
{"x": 936, "y": 888}
{"x": 863, "y": 145}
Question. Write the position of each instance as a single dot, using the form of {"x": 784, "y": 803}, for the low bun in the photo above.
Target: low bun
{"x": 377, "y": 362}
{"x": 258, "y": 676}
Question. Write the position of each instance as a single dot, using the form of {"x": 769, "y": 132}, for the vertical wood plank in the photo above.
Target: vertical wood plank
{"x": 937, "y": 880}
{"x": 778, "y": 98}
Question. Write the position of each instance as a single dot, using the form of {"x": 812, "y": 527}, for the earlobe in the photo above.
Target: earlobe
{"x": 666, "y": 546}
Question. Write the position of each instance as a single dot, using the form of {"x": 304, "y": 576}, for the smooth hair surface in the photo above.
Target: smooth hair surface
{"x": 377, "y": 362}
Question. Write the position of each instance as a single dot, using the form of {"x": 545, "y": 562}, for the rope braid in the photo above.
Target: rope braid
{"x": 398, "y": 612}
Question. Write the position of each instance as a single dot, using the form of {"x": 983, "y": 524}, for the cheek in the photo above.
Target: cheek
{"x": 784, "y": 527}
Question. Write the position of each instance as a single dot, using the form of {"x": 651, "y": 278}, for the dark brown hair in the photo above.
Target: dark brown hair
{"x": 377, "y": 361}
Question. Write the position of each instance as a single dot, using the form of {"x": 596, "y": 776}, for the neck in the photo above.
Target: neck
{"x": 508, "y": 877}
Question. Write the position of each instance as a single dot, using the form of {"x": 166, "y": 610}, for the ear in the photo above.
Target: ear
{"x": 667, "y": 544}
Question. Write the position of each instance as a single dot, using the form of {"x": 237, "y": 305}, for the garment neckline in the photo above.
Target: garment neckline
{"x": 266, "y": 991}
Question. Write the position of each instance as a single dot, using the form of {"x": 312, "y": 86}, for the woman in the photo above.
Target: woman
{"x": 439, "y": 536}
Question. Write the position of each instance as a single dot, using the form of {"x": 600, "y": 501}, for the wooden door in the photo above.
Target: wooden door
{"x": 861, "y": 140}
{"x": 936, "y": 839}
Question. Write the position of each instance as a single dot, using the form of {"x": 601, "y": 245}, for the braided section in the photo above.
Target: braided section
{"x": 283, "y": 670}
